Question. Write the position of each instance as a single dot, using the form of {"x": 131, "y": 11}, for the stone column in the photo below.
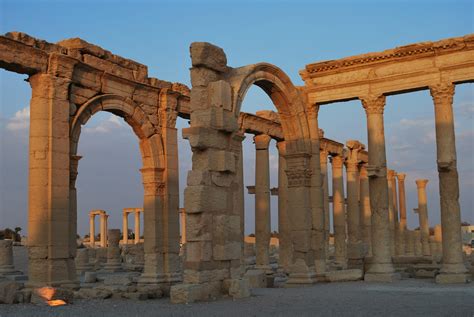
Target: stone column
{"x": 182, "y": 217}
{"x": 399, "y": 249}
{"x": 403, "y": 211}
{"x": 262, "y": 201}
{"x": 6, "y": 258}
{"x": 354, "y": 243}
{"x": 417, "y": 241}
{"x": 92, "y": 229}
{"x": 103, "y": 230}
{"x": 324, "y": 175}
{"x": 137, "y": 226}
{"x": 423, "y": 214}
{"x": 391, "y": 212}
{"x": 453, "y": 268}
{"x": 438, "y": 240}
{"x": 381, "y": 268}
{"x": 50, "y": 220}
{"x": 410, "y": 242}
{"x": 283, "y": 220}
{"x": 114, "y": 260}
{"x": 125, "y": 227}
{"x": 339, "y": 215}
{"x": 365, "y": 212}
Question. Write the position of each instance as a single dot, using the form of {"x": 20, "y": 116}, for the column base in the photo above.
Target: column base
{"x": 382, "y": 277}
{"x": 449, "y": 278}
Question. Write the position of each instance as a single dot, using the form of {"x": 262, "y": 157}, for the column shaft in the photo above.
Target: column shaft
{"x": 324, "y": 174}
{"x": 125, "y": 228}
{"x": 423, "y": 214}
{"x": 92, "y": 230}
{"x": 365, "y": 212}
{"x": 137, "y": 227}
{"x": 339, "y": 215}
{"x": 403, "y": 211}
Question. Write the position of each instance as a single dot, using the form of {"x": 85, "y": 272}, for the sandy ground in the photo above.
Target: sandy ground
{"x": 405, "y": 298}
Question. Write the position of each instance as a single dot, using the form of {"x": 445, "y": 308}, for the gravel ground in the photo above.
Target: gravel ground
{"x": 404, "y": 298}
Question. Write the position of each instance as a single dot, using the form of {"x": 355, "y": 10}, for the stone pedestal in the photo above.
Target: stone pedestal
{"x": 114, "y": 260}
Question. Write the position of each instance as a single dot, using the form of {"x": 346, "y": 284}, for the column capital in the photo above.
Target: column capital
{"x": 401, "y": 177}
{"x": 442, "y": 93}
{"x": 391, "y": 174}
{"x": 421, "y": 183}
{"x": 152, "y": 178}
{"x": 313, "y": 110}
{"x": 373, "y": 104}
{"x": 281, "y": 146}
{"x": 337, "y": 161}
{"x": 262, "y": 141}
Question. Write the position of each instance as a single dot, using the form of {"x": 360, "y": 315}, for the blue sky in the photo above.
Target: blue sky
{"x": 289, "y": 34}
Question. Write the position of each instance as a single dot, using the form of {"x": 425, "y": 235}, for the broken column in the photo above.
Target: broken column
{"x": 354, "y": 243}
{"x": 6, "y": 258}
{"x": 339, "y": 214}
{"x": 262, "y": 202}
{"x": 453, "y": 269}
{"x": 114, "y": 260}
{"x": 423, "y": 214}
{"x": 381, "y": 268}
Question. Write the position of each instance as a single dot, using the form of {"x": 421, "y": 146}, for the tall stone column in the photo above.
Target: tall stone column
{"x": 262, "y": 201}
{"x": 125, "y": 227}
{"x": 423, "y": 214}
{"x": 399, "y": 248}
{"x": 103, "y": 230}
{"x": 365, "y": 212}
{"x": 339, "y": 215}
{"x": 283, "y": 220}
{"x": 324, "y": 175}
{"x": 453, "y": 268}
{"x": 391, "y": 211}
{"x": 403, "y": 212}
{"x": 354, "y": 245}
{"x": 92, "y": 229}
{"x": 381, "y": 268}
{"x": 50, "y": 220}
{"x": 137, "y": 226}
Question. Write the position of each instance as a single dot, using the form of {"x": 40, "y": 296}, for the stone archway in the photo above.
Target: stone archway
{"x": 213, "y": 197}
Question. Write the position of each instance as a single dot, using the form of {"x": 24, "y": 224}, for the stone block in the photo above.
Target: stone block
{"x": 8, "y": 291}
{"x": 204, "y": 198}
{"x": 444, "y": 278}
{"x": 118, "y": 279}
{"x": 207, "y": 55}
{"x": 153, "y": 291}
{"x": 239, "y": 288}
{"x": 199, "y": 227}
{"x": 187, "y": 293}
{"x": 382, "y": 277}
{"x": 220, "y": 95}
{"x": 256, "y": 278}
{"x": 344, "y": 275}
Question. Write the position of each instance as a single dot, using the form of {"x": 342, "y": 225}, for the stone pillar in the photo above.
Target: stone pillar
{"x": 103, "y": 230}
{"x": 262, "y": 201}
{"x": 391, "y": 211}
{"x": 403, "y": 212}
{"x": 50, "y": 220}
{"x": 125, "y": 227}
{"x": 6, "y": 258}
{"x": 324, "y": 175}
{"x": 354, "y": 243}
{"x": 453, "y": 268}
{"x": 114, "y": 260}
{"x": 365, "y": 212}
{"x": 339, "y": 214}
{"x": 423, "y": 214}
{"x": 283, "y": 220}
{"x": 410, "y": 243}
{"x": 438, "y": 240}
{"x": 92, "y": 229}
{"x": 182, "y": 216}
{"x": 381, "y": 268}
{"x": 417, "y": 243}
{"x": 399, "y": 248}
{"x": 137, "y": 226}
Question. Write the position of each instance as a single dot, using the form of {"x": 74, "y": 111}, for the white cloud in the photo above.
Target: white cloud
{"x": 20, "y": 121}
{"x": 105, "y": 126}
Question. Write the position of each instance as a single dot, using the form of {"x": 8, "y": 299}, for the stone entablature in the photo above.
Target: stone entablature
{"x": 398, "y": 70}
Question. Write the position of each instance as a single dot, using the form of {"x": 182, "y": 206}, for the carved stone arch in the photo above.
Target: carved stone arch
{"x": 277, "y": 85}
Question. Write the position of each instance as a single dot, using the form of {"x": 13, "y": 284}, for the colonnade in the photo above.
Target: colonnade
{"x": 103, "y": 227}
{"x": 136, "y": 212}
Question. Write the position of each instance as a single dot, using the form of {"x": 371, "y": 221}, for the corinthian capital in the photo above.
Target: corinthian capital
{"x": 442, "y": 93}
{"x": 373, "y": 104}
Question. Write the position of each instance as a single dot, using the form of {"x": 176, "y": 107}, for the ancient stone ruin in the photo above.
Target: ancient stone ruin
{"x": 72, "y": 80}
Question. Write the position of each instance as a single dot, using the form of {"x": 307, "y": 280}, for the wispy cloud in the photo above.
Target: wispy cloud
{"x": 20, "y": 120}
{"x": 111, "y": 124}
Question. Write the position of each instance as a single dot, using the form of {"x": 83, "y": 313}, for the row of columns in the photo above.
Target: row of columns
{"x": 103, "y": 227}
{"x": 136, "y": 212}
